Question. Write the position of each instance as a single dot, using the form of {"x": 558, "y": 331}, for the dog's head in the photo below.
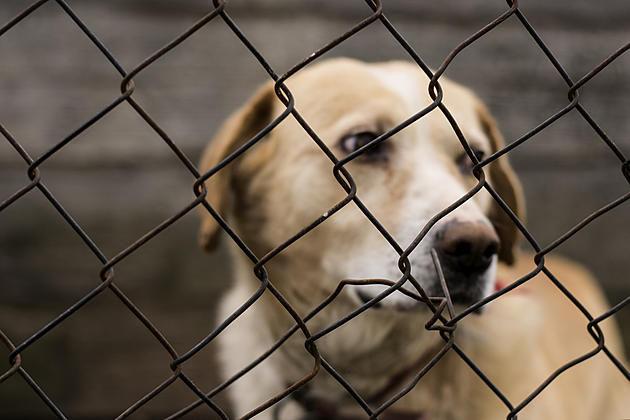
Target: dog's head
{"x": 285, "y": 182}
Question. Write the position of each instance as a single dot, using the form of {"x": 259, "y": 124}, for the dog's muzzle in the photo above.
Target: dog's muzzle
{"x": 466, "y": 251}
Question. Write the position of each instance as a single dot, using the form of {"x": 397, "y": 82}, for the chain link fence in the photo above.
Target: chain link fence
{"x": 373, "y": 13}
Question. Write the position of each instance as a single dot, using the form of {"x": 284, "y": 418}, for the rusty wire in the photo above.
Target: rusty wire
{"x": 444, "y": 320}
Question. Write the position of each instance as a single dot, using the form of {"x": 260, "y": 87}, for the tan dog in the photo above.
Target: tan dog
{"x": 285, "y": 182}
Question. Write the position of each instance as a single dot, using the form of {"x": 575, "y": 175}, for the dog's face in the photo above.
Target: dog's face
{"x": 286, "y": 182}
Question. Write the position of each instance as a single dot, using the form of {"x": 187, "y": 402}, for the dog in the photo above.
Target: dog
{"x": 285, "y": 182}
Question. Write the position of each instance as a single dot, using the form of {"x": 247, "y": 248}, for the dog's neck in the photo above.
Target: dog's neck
{"x": 321, "y": 409}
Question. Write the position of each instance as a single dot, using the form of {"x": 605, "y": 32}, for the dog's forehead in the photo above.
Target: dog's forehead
{"x": 406, "y": 81}
{"x": 347, "y": 90}
{"x": 338, "y": 86}
{"x": 411, "y": 85}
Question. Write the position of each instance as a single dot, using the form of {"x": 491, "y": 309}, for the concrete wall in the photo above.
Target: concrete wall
{"x": 119, "y": 180}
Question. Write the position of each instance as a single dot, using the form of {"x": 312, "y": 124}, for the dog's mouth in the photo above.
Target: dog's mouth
{"x": 464, "y": 296}
{"x": 399, "y": 303}
{"x": 460, "y": 296}
{"x": 365, "y": 298}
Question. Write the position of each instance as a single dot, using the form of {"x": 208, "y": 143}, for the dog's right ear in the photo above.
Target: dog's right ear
{"x": 506, "y": 184}
{"x": 241, "y": 126}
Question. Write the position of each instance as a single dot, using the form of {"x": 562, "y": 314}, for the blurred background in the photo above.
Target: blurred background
{"x": 119, "y": 180}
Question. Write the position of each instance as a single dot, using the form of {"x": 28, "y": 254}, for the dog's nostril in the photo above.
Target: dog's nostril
{"x": 462, "y": 248}
{"x": 491, "y": 250}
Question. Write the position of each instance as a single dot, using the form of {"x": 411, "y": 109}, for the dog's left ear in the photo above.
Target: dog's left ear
{"x": 506, "y": 184}
{"x": 242, "y": 125}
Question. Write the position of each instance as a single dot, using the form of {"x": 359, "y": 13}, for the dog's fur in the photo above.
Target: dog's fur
{"x": 285, "y": 182}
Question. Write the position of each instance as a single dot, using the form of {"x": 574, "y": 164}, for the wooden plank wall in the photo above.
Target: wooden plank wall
{"x": 119, "y": 180}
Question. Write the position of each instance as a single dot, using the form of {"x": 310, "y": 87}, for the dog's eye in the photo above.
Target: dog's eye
{"x": 465, "y": 164}
{"x": 355, "y": 141}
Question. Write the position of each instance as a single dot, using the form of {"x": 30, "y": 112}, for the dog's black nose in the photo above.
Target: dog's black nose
{"x": 467, "y": 248}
